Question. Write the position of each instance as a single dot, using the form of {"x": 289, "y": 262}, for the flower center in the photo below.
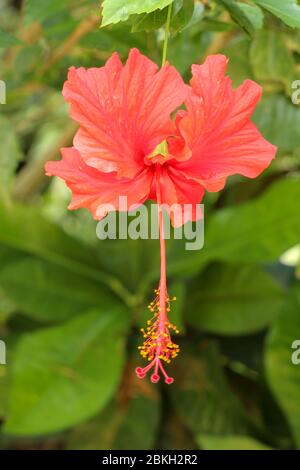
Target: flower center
{"x": 160, "y": 154}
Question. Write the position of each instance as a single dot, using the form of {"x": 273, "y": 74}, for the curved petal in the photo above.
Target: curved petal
{"x": 218, "y": 130}
{"x": 179, "y": 195}
{"x": 123, "y": 111}
{"x": 94, "y": 189}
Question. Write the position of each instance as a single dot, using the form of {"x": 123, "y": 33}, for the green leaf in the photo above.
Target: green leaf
{"x": 271, "y": 60}
{"x": 288, "y": 10}
{"x": 149, "y": 22}
{"x": 7, "y": 307}
{"x": 182, "y": 14}
{"x": 23, "y": 228}
{"x": 254, "y": 14}
{"x": 253, "y": 232}
{"x": 202, "y": 396}
{"x": 282, "y": 374}
{"x": 121, "y": 426}
{"x": 63, "y": 375}
{"x": 233, "y": 300}
{"x": 7, "y": 40}
{"x": 230, "y": 442}
{"x": 115, "y": 11}
{"x": 51, "y": 293}
{"x": 249, "y": 17}
{"x": 3, "y": 389}
{"x": 282, "y": 132}
{"x": 10, "y": 151}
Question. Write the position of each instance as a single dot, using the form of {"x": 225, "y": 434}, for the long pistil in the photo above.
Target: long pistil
{"x": 158, "y": 346}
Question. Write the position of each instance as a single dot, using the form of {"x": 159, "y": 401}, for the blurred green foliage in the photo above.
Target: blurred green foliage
{"x": 71, "y": 305}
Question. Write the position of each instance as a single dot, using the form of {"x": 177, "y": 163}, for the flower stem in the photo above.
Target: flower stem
{"x": 158, "y": 346}
{"x": 163, "y": 273}
{"x": 167, "y": 29}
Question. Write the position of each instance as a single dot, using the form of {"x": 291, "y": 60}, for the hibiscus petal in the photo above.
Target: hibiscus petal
{"x": 94, "y": 189}
{"x": 245, "y": 152}
{"x": 124, "y": 111}
{"x": 180, "y": 196}
{"x": 218, "y": 130}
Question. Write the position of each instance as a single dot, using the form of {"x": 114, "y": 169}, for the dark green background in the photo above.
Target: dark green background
{"x": 71, "y": 305}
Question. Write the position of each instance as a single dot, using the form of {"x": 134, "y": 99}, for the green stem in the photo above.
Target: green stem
{"x": 167, "y": 29}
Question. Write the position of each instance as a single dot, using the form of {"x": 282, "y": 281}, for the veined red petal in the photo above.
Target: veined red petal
{"x": 217, "y": 128}
{"x": 123, "y": 111}
{"x": 93, "y": 189}
{"x": 179, "y": 195}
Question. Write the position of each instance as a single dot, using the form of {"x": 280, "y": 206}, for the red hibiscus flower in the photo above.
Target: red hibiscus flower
{"x": 128, "y": 145}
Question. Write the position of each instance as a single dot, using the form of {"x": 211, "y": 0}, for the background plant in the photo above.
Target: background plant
{"x": 71, "y": 306}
